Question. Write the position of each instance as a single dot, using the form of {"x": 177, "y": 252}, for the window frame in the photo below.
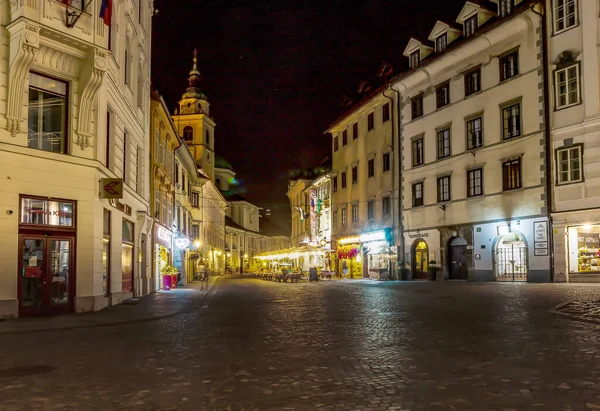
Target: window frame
{"x": 441, "y": 43}
{"x": 416, "y": 106}
{"x": 468, "y": 136}
{"x": 441, "y": 198}
{"x": 506, "y": 7}
{"x": 566, "y": 70}
{"x": 470, "y": 86}
{"x": 568, "y": 149}
{"x": 66, "y": 113}
{"x": 370, "y": 121}
{"x": 344, "y": 180}
{"x": 344, "y": 216}
{"x": 336, "y": 144}
{"x": 475, "y": 192}
{"x": 354, "y": 174}
{"x": 506, "y": 135}
{"x": 555, "y": 19}
{"x": 387, "y": 161}
{"x": 334, "y": 184}
{"x": 355, "y": 131}
{"x": 417, "y": 201}
{"x": 444, "y": 133}
{"x": 503, "y": 61}
{"x": 471, "y": 25}
{"x": 371, "y": 168}
{"x": 344, "y": 138}
{"x": 386, "y": 206}
{"x": 355, "y": 215}
{"x": 418, "y": 144}
{"x": 415, "y": 58}
{"x": 371, "y": 210}
{"x": 442, "y": 95}
{"x": 385, "y": 113}
{"x": 507, "y": 178}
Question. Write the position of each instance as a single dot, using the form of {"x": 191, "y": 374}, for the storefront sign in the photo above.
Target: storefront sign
{"x": 540, "y": 252}
{"x": 47, "y": 212}
{"x": 111, "y": 188}
{"x": 588, "y": 240}
{"x": 418, "y": 235}
{"x": 124, "y": 208}
{"x": 163, "y": 236}
{"x": 541, "y": 245}
{"x": 376, "y": 236}
{"x": 349, "y": 240}
{"x": 540, "y": 231}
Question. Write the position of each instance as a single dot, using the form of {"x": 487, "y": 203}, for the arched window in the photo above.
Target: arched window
{"x": 188, "y": 133}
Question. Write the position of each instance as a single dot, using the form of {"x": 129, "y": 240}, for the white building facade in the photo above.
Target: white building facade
{"x": 575, "y": 122}
{"x": 473, "y": 162}
{"x": 74, "y": 110}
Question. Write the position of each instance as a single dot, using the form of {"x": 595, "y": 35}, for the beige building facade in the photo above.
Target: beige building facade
{"x": 78, "y": 251}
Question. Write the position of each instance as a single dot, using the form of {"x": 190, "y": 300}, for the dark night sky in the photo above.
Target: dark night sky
{"x": 276, "y": 71}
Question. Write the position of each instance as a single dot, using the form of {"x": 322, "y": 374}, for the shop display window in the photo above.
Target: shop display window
{"x": 584, "y": 249}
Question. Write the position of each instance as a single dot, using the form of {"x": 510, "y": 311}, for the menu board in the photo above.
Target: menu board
{"x": 588, "y": 240}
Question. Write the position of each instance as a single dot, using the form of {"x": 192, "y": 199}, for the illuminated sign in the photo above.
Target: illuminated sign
{"x": 182, "y": 242}
{"x": 163, "y": 234}
{"x": 376, "y": 236}
{"x": 349, "y": 240}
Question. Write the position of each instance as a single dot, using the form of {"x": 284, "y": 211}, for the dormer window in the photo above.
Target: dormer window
{"x": 441, "y": 43}
{"x": 470, "y": 26}
{"x": 415, "y": 58}
{"x": 506, "y": 7}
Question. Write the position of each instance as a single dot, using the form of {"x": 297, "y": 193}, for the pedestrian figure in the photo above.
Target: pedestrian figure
{"x": 345, "y": 268}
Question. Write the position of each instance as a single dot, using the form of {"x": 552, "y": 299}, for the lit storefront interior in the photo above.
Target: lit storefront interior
{"x": 584, "y": 252}
{"x": 162, "y": 253}
{"x": 349, "y": 257}
{"x": 379, "y": 255}
{"x": 296, "y": 259}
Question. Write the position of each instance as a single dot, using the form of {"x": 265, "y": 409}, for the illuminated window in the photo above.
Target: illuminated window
{"x": 511, "y": 175}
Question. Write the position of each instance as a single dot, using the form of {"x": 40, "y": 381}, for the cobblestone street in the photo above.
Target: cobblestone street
{"x": 256, "y": 345}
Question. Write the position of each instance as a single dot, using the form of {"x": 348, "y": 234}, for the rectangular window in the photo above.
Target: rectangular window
{"x": 474, "y": 133}
{"x": 415, "y": 59}
{"x": 416, "y": 106}
{"x": 442, "y": 95}
{"x": 441, "y": 42}
{"x": 470, "y": 26}
{"x": 195, "y": 200}
{"x": 567, "y": 86}
{"x": 506, "y": 7}
{"x": 386, "y": 162}
{"x": 475, "y": 182}
{"x": 335, "y": 185}
{"x": 344, "y": 137}
{"x": 109, "y": 139}
{"x": 47, "y": 120}
{"x": 343, "y": 180}
{"x": 443, "y": 143}
{"x": 472, "y": 82}
{"x": 370, "y": 121}
{"x": 170, "y": 215}
{"x": 511, "y": 121}
{"x": 164, "y": 215}
{"x": 417, "y": 152}
{"x": 355, "y": 175}
{"x": 344, "y": 216}
{"x": 565, "y": 14}
{"x": 371, "y": 210}
{"x": 511, "y": 175}
{"x": 157, "y": 204}
{"x": 335, "y": 144}
{"x": 386, "y": 206}
{"x": 385, "y": 113}
{"x": 126, "y": 178}
{"x": 334, "y": 219}
{"x": 355, "y": 131}
{"x": 47, "y": 212}
{"x": 139, "y": 171}
{"x": 443, "y": 189}
{"x": 355, "y": 213}
{"x": 509, "y": 66}
{"x": 569, "y": 165}
{"x": 195, "y": 232}
{"x": 176, "y": 172}
{"x": 417, "y": 194}
{"x": 371, "y": 168}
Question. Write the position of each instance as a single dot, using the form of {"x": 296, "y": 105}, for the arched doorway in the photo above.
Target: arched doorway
{"x": 457, "y": 259}
{"x": 420, "y": 259}
{"x": 510, "y": 257}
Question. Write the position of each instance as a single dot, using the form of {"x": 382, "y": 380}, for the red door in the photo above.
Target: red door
{"x": 46, "y": 275}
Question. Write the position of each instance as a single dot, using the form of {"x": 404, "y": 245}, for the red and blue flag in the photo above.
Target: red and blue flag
{"x": 105, "y": 11}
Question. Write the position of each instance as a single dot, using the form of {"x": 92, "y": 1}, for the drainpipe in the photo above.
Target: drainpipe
{"x": 397, "y": 146}
{"x": 547, "y": 131}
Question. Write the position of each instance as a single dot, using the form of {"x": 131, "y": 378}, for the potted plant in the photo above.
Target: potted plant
{"x": 433, "y": 270}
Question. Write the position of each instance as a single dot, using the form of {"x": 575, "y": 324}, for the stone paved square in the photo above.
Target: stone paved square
{"x": 336, "y": 345}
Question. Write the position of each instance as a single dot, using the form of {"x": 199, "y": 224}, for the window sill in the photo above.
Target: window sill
{"x": 561, "y": 108}
{"x": 506, "y": 80}
{"x": 442, "y": 107}
{"x": 474, "y": 197}
{"x": 570, "y": 183}
{"x": 473, "y": 94}
{"x": 556, "y": 33}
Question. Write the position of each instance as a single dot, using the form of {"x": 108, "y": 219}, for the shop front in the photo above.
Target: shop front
{"x": 47, "y": 242}
{"x": 162, "y": 254}
{"x": 422, "y": 247}
{"x": 583, "y": 249}
{"x": 349, "y": 257}
{"x": 379, "y": 255}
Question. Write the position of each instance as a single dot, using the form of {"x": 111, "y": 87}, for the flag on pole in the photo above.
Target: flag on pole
{"x": 105, "y": 11}
{"x": 67, "y": 2}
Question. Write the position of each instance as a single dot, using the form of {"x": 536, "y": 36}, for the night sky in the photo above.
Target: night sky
{"x": 276, "y": 72}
